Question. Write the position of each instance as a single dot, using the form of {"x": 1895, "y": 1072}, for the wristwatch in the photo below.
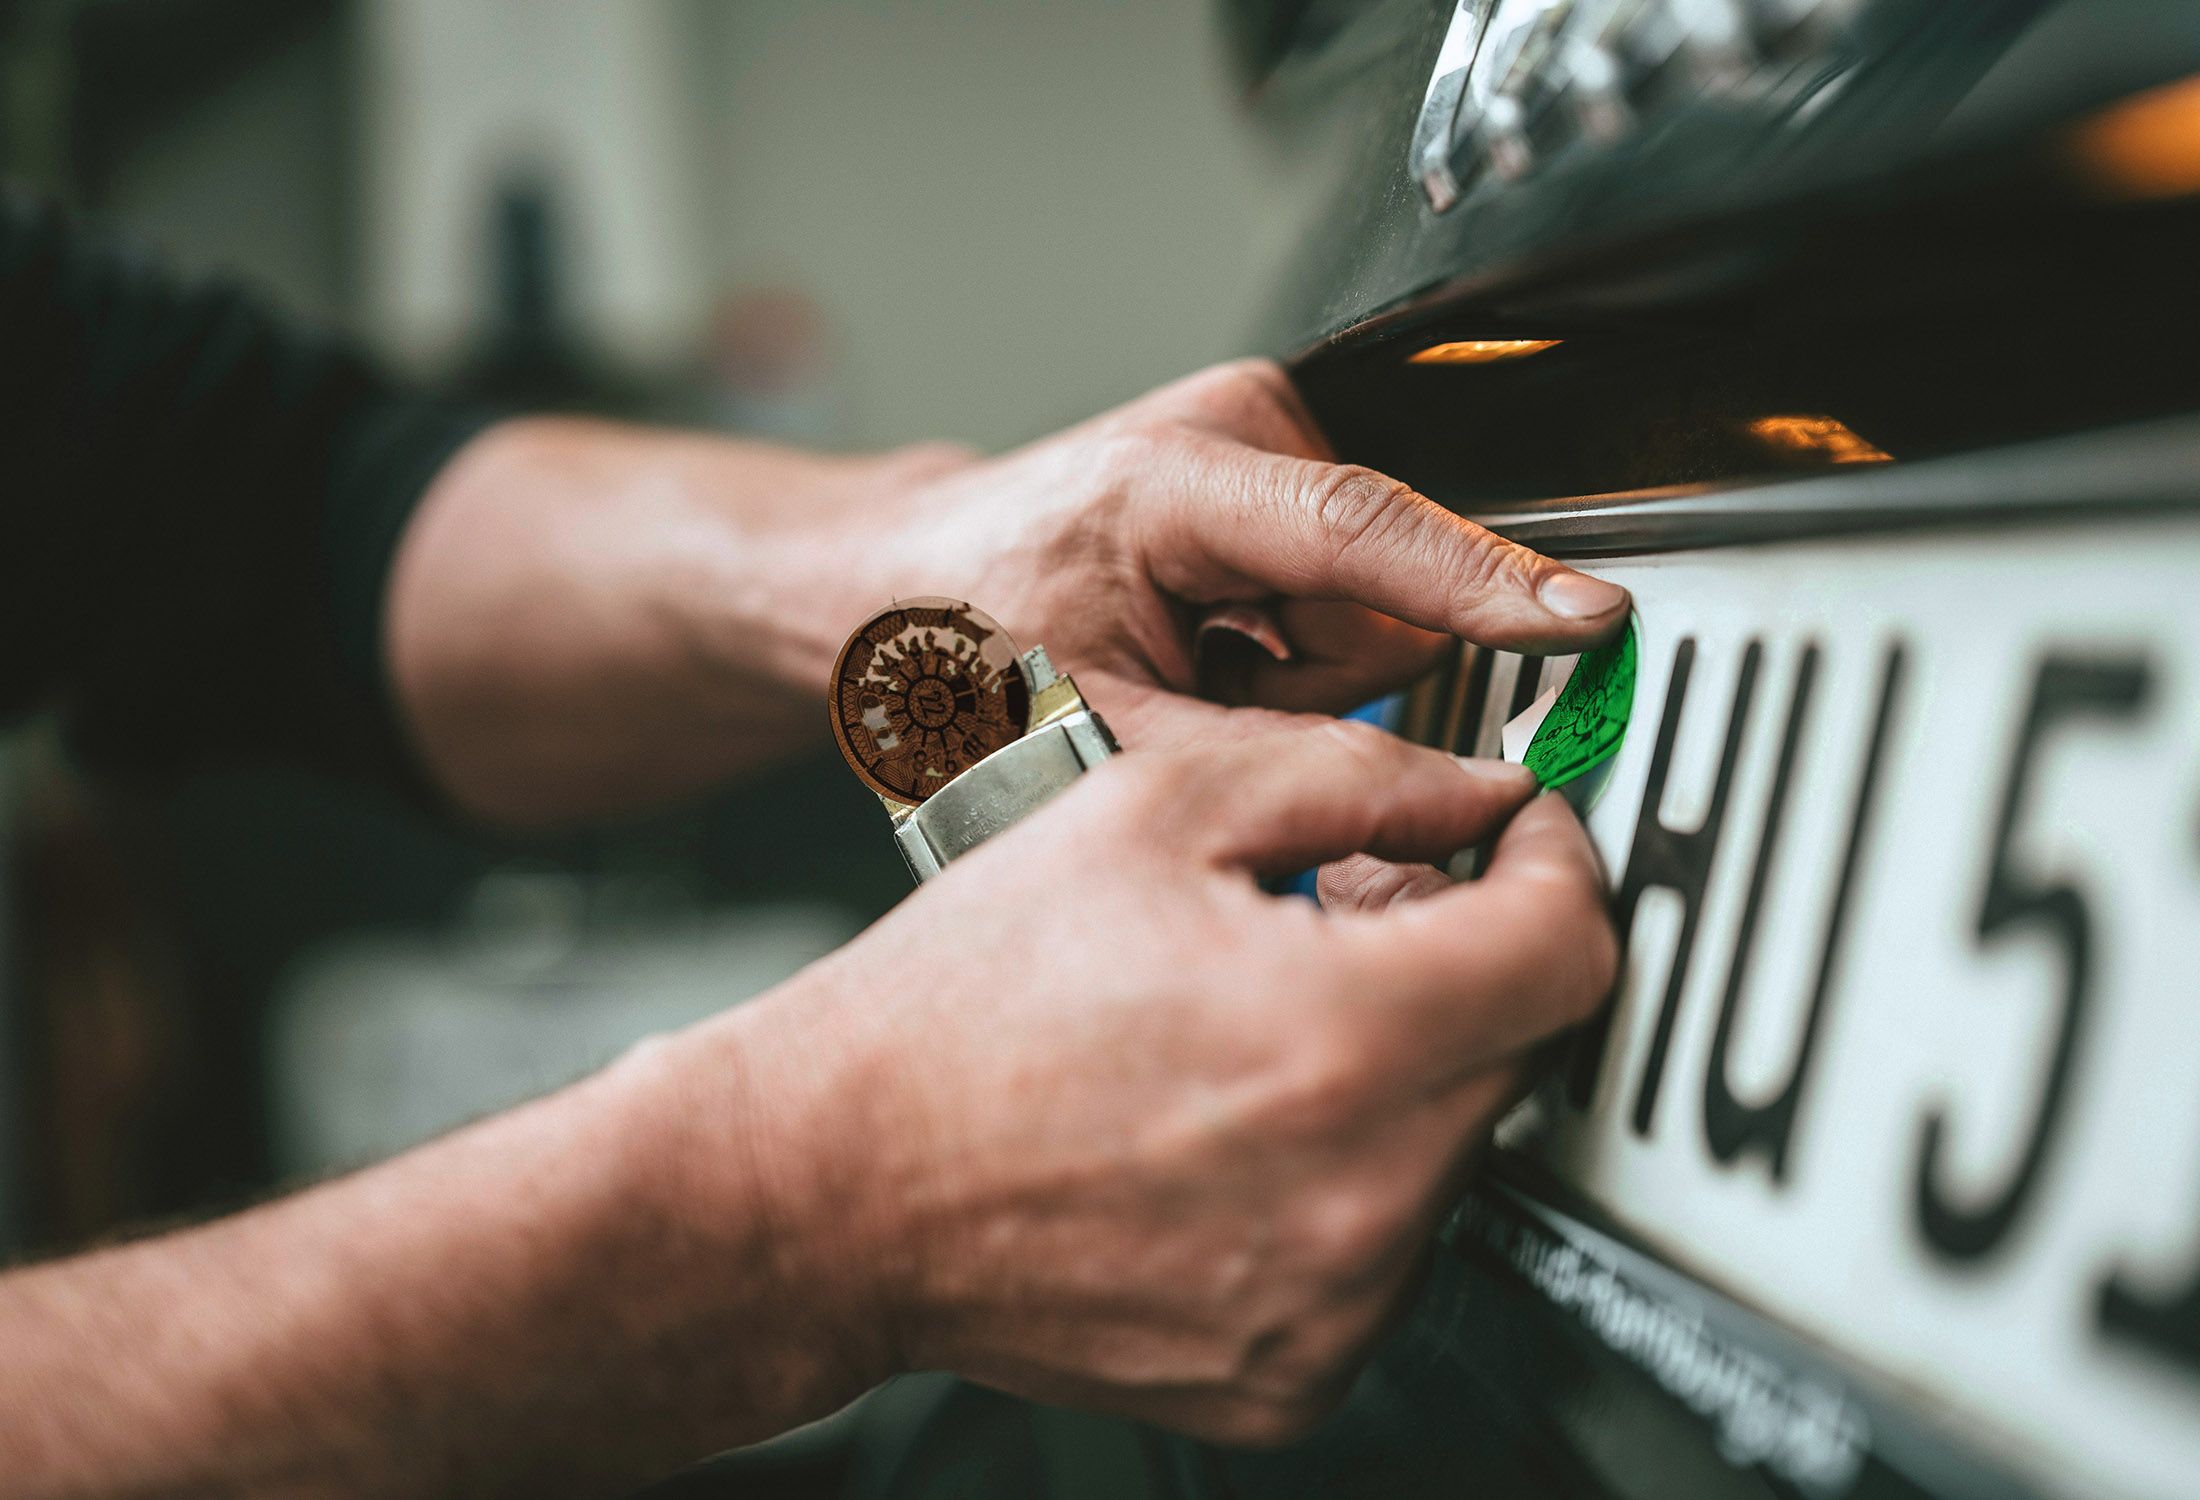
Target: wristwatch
{"x": 958, "y": 734}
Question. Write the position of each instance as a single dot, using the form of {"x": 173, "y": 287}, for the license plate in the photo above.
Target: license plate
{"x": 1906, "y": 1053}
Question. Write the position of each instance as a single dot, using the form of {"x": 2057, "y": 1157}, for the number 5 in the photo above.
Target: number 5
{"x": 2064, "y": 688}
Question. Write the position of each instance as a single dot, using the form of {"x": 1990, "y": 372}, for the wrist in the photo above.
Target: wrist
{"x": 586, "y": 617}
{"x": 805, "y": 546}
{"x": 752, "y": 1140}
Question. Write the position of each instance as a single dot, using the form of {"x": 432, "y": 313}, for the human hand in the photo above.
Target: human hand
{"x": 1093, "y": 1119}
{"x": 1114, "y": 541}
{"x": 587, "y": 617}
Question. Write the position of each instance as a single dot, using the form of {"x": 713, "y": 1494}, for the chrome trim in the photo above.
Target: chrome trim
{"x": 1429, "y": 158}
{"x": 2154, "y": 467}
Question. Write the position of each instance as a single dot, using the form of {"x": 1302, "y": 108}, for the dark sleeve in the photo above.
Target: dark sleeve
{"x": 198, "y": 510}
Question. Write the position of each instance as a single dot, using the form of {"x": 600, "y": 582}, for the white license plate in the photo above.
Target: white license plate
{"x": 1907, "y": 1048}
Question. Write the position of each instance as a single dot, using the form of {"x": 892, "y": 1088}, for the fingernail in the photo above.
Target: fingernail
{"x": 1249, "y": 622}
{"x": 1502, "y": 774}
{"x": 1577, "y": 596}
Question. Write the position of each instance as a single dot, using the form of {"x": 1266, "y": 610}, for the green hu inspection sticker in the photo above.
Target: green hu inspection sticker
{"x": 1577, "y": 726}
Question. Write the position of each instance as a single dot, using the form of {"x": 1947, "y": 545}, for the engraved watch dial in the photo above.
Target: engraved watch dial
{"x": 923, "y": 692}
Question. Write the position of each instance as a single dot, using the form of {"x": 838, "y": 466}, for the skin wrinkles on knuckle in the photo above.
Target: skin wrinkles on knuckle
{"x": 1360, "y": 513}
{"x": 1399, "y": 885}
{"x": 1495, "y": 565}
{"x": 1097, "y": 535}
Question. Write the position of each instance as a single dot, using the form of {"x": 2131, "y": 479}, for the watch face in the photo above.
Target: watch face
{"x": 923, "y": 692}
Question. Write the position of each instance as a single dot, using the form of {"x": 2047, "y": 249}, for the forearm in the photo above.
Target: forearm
{"x": 567, "y": 1299}
{"x": 587, "y": 617}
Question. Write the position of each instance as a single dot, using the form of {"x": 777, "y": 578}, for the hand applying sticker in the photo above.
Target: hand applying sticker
{"x": 664, "y": 609}
{"x": 1212, "y": 514}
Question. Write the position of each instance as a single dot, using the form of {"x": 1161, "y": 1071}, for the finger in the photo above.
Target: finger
{"x": 1365, "y": 883}
{"x": 1252, "y": 623}
{"x": 1342, "y": 656}
{"x": 1146, "y": 717}
{"x": 1287, "y": 801}
{"x": 1227, "y": 644}
{"x": 1238, "y": 523}
{"x": 1248, "y": 401}
{"x": 1489, "y": 967}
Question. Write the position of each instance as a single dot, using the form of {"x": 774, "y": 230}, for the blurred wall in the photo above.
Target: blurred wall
{"x": 1018, "y": 211}
{"x": 461, "y": 97}
{"x": 253, "y": 179}
{"x": 1011, "y": 213}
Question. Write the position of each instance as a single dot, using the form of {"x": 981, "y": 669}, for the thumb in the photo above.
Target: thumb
{"x": 1365, "y": 883}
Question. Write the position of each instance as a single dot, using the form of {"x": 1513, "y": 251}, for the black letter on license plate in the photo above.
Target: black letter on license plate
{"x": 1673, "y": 860}
{"x": 1732, "y": 1128}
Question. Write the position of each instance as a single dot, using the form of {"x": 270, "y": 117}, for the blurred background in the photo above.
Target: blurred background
{"x": 848, "y": 223}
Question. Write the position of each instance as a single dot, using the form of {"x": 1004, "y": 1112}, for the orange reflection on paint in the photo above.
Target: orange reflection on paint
{"x": 1480, "y": 351}
{"x": 1826, "y": 439}
{"x": 2148, "y": 146}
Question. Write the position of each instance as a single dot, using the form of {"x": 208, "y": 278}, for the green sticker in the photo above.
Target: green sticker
{"x": 1584, "y": 726}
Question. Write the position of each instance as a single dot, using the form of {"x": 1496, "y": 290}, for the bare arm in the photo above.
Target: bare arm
{"x": 562, "y": 1300}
